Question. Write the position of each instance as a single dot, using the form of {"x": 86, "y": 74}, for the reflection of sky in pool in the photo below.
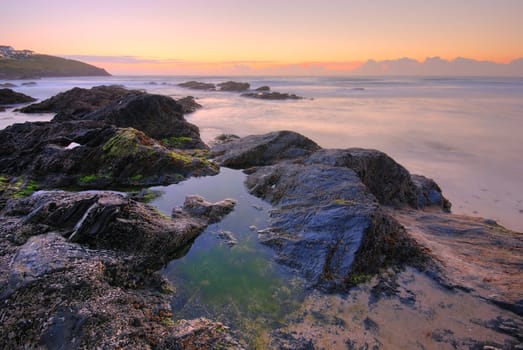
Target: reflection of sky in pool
{"x": 240, "y": 286}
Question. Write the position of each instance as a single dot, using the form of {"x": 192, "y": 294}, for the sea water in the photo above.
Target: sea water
{"x": 465, "y": 133}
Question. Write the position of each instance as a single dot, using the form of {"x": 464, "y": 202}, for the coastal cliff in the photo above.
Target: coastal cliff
{"x": 25, "y": 64}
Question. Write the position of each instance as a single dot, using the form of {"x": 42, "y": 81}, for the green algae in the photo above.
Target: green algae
{"x": 176, "y": 142}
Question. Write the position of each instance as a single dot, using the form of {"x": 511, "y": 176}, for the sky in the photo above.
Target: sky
{"x": 281, "y": 36}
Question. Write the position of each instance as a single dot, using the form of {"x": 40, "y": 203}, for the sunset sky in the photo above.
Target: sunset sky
{"x": 220, "y": 36}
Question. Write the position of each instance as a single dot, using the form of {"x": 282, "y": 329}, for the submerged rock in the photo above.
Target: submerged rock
{"x": 196, "y": 85}
{"x": 265, "y": 149}
{"x": 198, "y": 207}
{"x": 74, "y": 103}
{"x": 274, "y": 95}
{"x": 71, "y": 262}
{"x": 234, "y": 86}
{"x": 188, "y": 104}
{"x": 10, "y": 97}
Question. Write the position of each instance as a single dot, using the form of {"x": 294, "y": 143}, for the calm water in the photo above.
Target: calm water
{"x": 463, "y": 132}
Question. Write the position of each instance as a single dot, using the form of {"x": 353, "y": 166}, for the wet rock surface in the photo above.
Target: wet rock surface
{"x": 189, "y": 104}
{"x": 233, "y": 86}
{"x": 10, "y": 97}
{"x": 196, "y": 85}
{"x": 77, "y": 269}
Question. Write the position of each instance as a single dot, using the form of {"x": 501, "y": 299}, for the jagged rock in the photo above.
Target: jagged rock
{"x": 274, "y": 95}
{"x": 234, "y": 86}
{"x": 158, "y": 116}
{"x": 263, "y": 88}
{"x": 188, "y": 104}
{"x": 55, "y": 291}
{"x": 10, "y": 97}
{"x": 196, "y": 85}
{"x": 265, "y": 149}
{"x": 227, "y": 237}
{"x": 74, "y": 103}
{"x": 327, "y": 225}
{"x": 30, "y": 83}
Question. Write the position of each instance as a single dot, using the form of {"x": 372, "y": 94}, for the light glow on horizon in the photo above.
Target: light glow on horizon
{"x": 206, "y": 35}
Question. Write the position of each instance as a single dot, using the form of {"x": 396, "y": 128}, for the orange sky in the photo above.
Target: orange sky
{"x": 220, "y": 36}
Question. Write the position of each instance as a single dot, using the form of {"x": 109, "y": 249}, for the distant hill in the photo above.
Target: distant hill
{"x": 24, "y": 64}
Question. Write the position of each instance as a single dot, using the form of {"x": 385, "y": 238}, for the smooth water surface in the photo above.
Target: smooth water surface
{"x": 241, "y": 285}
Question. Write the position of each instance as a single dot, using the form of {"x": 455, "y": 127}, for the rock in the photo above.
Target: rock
{"x": 2, "y": 109}
{"x": 387, "y": 180}
{"x": 223, "y": 138}
{"x": 108, "y": 156}
{"x": 196, "y": 85}
{"x": 188, "y": 104}
{"x": 29, "y": 83}
{"x": 234, "y": 86}
{"x": 55, "y": 291}
{"x": 227, "y": 237}
{"x": 7, "y": 85}
{"x": 10, "y": 97}
{"x": 327, "y": 225}
{"x": 429, "y": 193}
{"x": 158, "y": 116}
{"x": 198, "y": 207}
{"x": 263, "y": 149}
{"x": 266, "y": 95}
{"x": 74, "y": 103}
{"x": 263, "y": 88}
{"x": 470, "y": 254}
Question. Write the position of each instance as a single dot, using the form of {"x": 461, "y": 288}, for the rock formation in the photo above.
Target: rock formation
{"x": 71, "y": 262}
{"x": 10, "y": 97}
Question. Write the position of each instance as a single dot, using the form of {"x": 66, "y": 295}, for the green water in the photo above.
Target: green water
{"x": 240, "y": 286}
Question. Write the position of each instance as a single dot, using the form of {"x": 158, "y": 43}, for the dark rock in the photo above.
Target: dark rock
{"x": 263, "y": 149}
{"x": 188, "y": 104}
{"x": 266, "y": 95}
{"x": 29, "y": 83}
{"x": 327, "y": 225}
{"x": 7, "y": 85}
{"x": 74, "y": 103}
{"x": 429, "y": 193}
{"x": 158, "y": 116}
{"x": 388, "y": 181}
{"x": 10, "y": 97}
{"x": 2, "y": 109}
{"x": 196, "y": 85}
{"x": 55, "y": 291}
{"x": 234, "y": 86}
{"x": 223, "y": 138}
{"x": 263, "y": 88}
{"x": 107, "y": 156}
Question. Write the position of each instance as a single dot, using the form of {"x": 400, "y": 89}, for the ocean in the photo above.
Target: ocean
{"x": 465, "y": 133}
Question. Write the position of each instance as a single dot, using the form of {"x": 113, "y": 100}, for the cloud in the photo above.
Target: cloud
{"x": 441, "y": 67}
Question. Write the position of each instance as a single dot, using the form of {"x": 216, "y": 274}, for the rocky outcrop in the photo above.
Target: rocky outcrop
{"x": 91, "y": 154}
{"x": 7, "y": 85}
{"x": 188, "y": 104}
{"x": 198, "y": 207}
{"x": 233, "y": 86}
{"x": 272, "y": 95}
{"x": 265, "y": 149}
{"x": 77, "y": 102}
{"x": 327, "y": 225}
{"x": 263, "y": 88}
{"x": 196, "y": 85}
{"x": 10, "y": 97}
{"x": 71, "y": 262}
